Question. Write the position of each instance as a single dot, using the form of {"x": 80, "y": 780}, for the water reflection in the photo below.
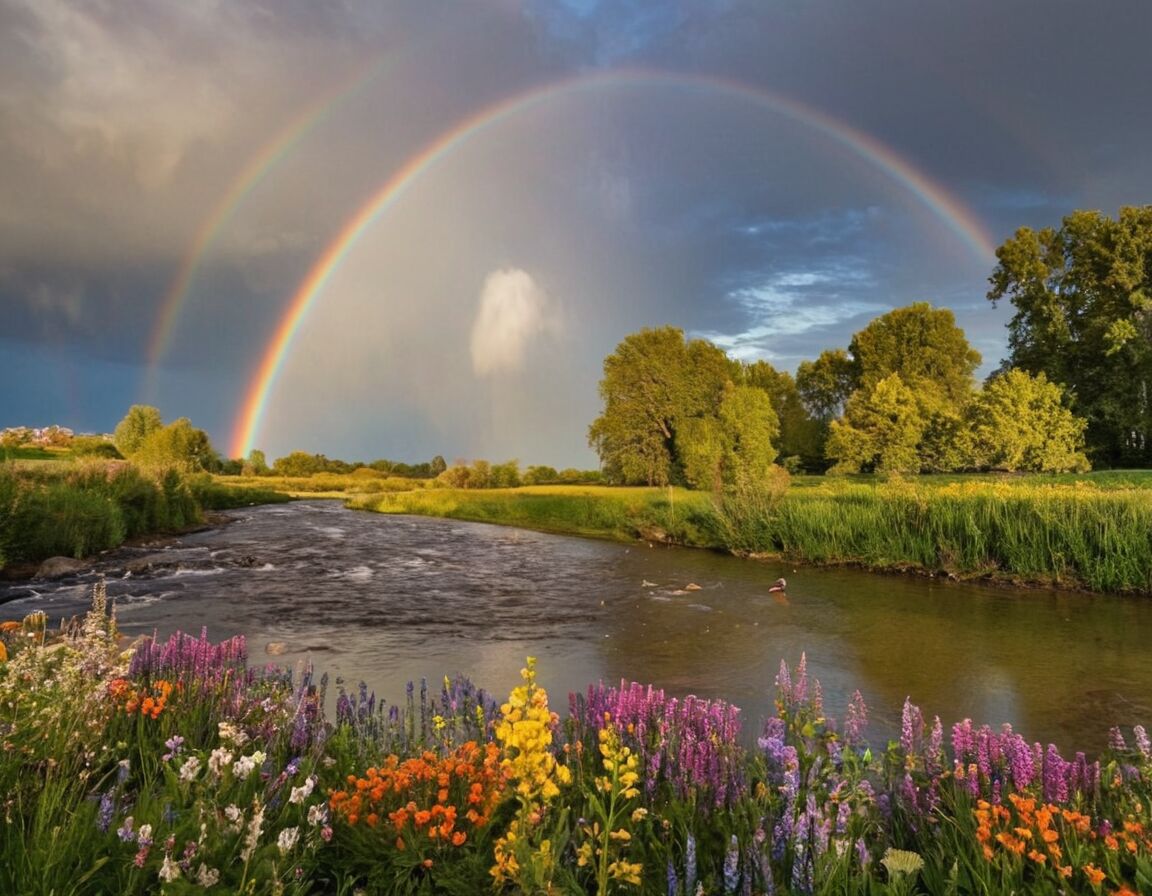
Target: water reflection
{"x": 390, "y": 599}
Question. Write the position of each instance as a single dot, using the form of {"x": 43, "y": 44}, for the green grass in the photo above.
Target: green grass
{"x": 655, "y": 514}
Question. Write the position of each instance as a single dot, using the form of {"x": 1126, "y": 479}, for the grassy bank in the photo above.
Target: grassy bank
{"x": 1074, "y": 535}
{"x": 1091, "y": 534}
{"x": 655, "y": 514}
{"x": 79, "y": 508}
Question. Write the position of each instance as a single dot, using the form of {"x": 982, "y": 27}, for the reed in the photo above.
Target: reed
{"x": 1072, "y": 535}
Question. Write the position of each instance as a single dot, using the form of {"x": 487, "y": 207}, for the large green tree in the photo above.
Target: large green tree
{"x": 680, "y": 411}
{"x": 925, "y": 347}
{"x": 1083, "y": 300}
{"x": 140, "y": 422}
{"x": 654, "y": 383}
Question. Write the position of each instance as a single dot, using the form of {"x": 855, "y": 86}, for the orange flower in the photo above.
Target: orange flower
{"x": 458, "y": 838}
{"x": 1095, "y": 875}
{"x": 1038, "y": 857}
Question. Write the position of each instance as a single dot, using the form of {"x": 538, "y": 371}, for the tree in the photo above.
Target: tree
{"x": 256, "y": 464}
{"x": 139, "y": 423}
{"x": 879, "y": 432}
{"x": 179, "y": 445}
{"x": 826, "y": 383}
{"x": 654, "y": 383}
{"x": 437, "y": 465}
{"x": 1019, "y": 423}
{"x": 925, "y": 347}
{"x": 801, "y": 438}
{"x": 1083, "y": 300}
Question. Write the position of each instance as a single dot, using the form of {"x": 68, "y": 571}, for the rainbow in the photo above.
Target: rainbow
{"x": 950, "y": 210}
{"x": 263, "y": 162}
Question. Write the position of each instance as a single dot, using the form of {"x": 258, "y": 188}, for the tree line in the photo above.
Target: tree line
{"x": 902, "y": 396}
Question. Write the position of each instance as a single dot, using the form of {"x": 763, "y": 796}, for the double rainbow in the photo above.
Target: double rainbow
{"x": 953, "y": 213}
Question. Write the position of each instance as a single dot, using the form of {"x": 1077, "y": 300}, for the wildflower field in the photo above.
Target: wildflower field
{"x": 175, "y": 767}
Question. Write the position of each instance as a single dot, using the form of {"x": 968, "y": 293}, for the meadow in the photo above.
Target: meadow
{"x": 1075, "y": 532}
{"x": 175, "y": 767}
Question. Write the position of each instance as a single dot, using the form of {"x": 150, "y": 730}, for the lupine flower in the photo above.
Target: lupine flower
{"x": 124, "y": 832}
{"x": 1116, "y": 740}
{"x": 1142, "y": 742}
{"x": 175, "y": 745}
{"x": 190, "y": 768}
{"x": 731, "y": 865}
{"x": 107, "y": 810}
{"x": 855, "y": 721}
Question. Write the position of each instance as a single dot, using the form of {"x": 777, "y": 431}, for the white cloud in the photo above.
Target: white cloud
{"x": 513, "y": 312}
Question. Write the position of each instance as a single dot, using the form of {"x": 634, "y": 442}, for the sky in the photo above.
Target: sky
{"x": 402, "y": 228}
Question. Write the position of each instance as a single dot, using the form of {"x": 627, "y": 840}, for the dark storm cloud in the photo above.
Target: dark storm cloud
{"x": 124, "y": 127}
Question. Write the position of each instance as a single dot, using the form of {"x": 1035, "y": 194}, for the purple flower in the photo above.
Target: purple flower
{"x": 107, "y": 810}
{"x": 1055, "y": 776}
{"x": 125, "y": 832}
{"x": 855, "y": 721}
{"x": 1116, "y": 740}
{"x": 1142, "y": 742}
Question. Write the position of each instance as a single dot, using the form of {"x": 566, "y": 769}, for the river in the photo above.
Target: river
{"x": 389, "y": 599}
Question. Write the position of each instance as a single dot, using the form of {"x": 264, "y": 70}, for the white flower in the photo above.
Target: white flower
{"x": 218, "y": 761}
{"x": 169, "y": 871}
{"x": 190, "y": 768}
{"x": 315, "y": 814}
{"x": 254, "y": 827}
{"x": 287, "y": 839}
{"x": 299, "y": 794}
{"x": 246, "y": 764}
{"x": 231, "y": 734}
{"x": 207, "y": 877}
{"x": 235, "y": 816}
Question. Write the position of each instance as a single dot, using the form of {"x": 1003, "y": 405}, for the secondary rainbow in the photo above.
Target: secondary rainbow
{"x": 259, "y": 166}
{"x": 950, "y": 210}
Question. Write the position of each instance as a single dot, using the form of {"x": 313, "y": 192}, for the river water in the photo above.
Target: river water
{"x": 392, "y": 599}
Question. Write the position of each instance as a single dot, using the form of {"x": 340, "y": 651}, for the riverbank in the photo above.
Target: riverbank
{"x": 1074, "y": 534}
{"x": 80, "y": 509}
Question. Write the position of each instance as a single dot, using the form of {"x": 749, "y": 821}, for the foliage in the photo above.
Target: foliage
{"x": 880, "y": 431}
{"x": 925, "y": 347}
{"x": 179, "y": 445}
{"x": 1083, "y": 300}
{"x": 670, "y": 515}
{"x": 1020, "y": 423}
{"x": 664, "y": 420}
{"x": 139, "y": 423}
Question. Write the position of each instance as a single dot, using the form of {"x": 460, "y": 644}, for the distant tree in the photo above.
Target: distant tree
{"x": 540, "y": 475}
{"x": 1020, "y": 423}
{"x": 179, "y": 445}
{"x": 139, "y": 423}
{"x": 300, "y": 463}
{"x": 256, "y": 464}
{"x": 880, "y": 430}
{"x": 505, "y": 475}
{"x": 456, "y": 476}
{"x": 437, "y": 466}
{"x": 94, "y": 446}
{"x": 1083, "y": 300}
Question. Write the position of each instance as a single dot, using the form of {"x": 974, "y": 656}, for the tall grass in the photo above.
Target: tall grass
{"x": 80, "y": 509}
{"x": 669, "y": 515}
{"x": 1069, "y": 535}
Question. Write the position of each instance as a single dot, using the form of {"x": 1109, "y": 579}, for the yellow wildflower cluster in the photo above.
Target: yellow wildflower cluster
{"x": 608, "y": 835}
{"x": 525, "y": 733}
